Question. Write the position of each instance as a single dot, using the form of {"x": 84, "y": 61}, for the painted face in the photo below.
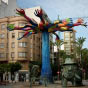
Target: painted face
{"x": 69, "y": 71}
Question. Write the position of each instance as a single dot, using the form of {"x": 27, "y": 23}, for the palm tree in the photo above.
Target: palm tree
{"x": 79, "y": 45}
{"x": 58, "y": 44}
{"x": 85, "y": 62}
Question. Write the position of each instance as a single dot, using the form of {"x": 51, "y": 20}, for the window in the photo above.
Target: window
{"x": 20, "y": 34}
{"x": 31, "y": 41}
{"x": 71, "y": 39}
{"x": 13, "y": 45}
{"x": 33, "y": 37}
{"x": 21, "y": 24}
{"x": 71, "y": 34}
{"x": 68, "y": 52}
{"x": 67, "y": 48}
{"x": 30, "y": 36}
{"x": 31, "y": 46}
{"x": 12, "y": 54}
{"x": 67, "y": 38}
{"x": 66, "y": 34}
{"x": 2, "y": 35}
{"x": 37, "y": 39}
{"x": 22, "y": 44}
{"x": 2, "y": 55}
{"x": 31, "y": 55}
{"x": 1, "y": 45}
{"x": 67, "y": 44}
{"x": 13, "y": 35}
{"x": 22, "y": 54}
{"x": 3, "y": 26}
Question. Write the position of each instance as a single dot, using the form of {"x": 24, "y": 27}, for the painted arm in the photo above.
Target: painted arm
{"x": 22, "y": 13}
{"x": 57, "y": 37}
{"x": 39, "y": 13}
{"x": 11, "y": 27}
{"x": 80, "y": 22}
{"x": 26, "y": 34}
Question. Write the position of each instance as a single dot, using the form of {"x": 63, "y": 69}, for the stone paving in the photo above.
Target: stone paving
{"x": 55, "y": 85}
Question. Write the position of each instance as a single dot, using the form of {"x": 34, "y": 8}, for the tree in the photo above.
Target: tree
{"x": 2, "y": 71}
{"x": 14, "y": 67}
{"x": 84, "y": 63}
{"x": 84, "y": 57}
{"x": 4, "y": 68}
{"x": 58, "y": 44}
{"x": 79, "y": 45}
{"x": 63, "y": 55}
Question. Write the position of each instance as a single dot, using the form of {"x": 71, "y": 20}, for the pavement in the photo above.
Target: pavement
{"x": 57, "y": 84}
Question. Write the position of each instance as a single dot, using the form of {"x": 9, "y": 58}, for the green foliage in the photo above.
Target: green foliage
{"x": 9, "y": 67}
{"x": 10, "y": 27}
{"x": 14, "y": 67}
{"x": 80, "y": 42}
{"x": 58, "y": 44}
{"x": 79, "y": 46}
{"x": 85, "y": 53}
{"x": 35, "y": 63}
{"x": 32, "y": 63}
{"x": 4, "y": 68}
{"x": 84, "y": 61}
{"x": 63, "y": 54}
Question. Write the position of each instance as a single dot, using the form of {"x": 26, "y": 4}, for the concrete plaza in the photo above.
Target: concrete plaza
{"x": 57, "y": 84}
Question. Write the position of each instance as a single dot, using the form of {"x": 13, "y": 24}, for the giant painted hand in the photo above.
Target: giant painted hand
{"x": 33, "y": 27}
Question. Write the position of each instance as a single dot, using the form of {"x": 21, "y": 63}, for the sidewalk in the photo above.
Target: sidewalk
{"x": 57, "y": 84}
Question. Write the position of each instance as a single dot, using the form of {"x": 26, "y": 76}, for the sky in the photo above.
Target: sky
{"x": 63, "y": 9}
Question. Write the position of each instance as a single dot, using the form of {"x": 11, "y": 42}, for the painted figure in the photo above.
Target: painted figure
{"x": 45, "y": 28}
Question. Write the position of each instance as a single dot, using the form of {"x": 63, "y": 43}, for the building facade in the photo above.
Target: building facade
{"x": 24, "y": 50}
{"x": 12, "y": 50}
{"x": 8, "y": 9}
{"x": 69, "y": 42}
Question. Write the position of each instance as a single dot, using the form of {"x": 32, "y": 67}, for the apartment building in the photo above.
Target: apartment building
{"x": 3, "y": 41}
{"x": 13, "y": 50}
{"x": 69, "y": 45}
{"x": 24, "y": 50}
